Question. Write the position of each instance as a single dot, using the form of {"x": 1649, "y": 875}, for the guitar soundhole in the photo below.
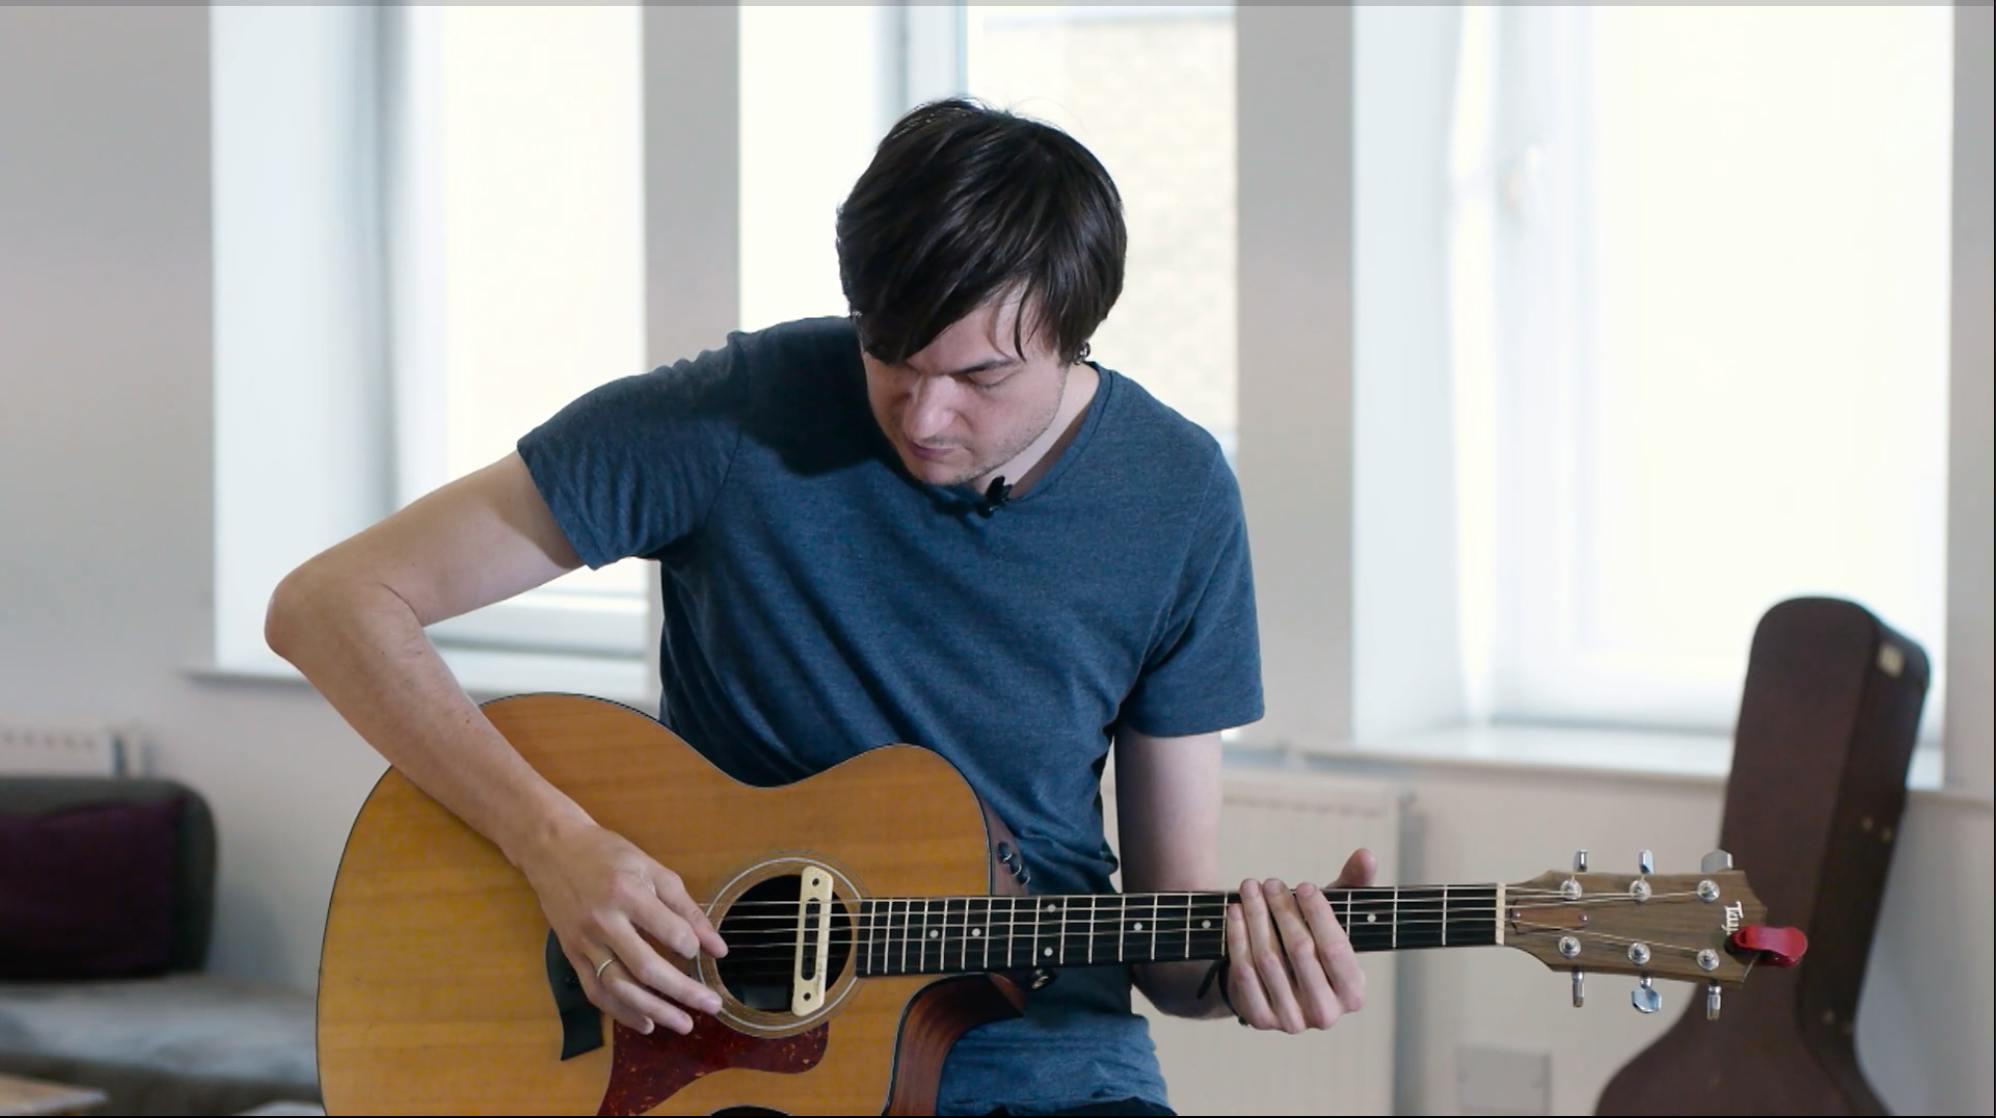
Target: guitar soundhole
{"x": 761, "y": 930}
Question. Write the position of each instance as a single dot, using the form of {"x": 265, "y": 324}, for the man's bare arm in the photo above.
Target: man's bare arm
{"x": 352, "y": 618}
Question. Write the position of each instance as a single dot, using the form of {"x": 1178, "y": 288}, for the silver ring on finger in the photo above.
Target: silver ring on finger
{"x": 603, "y": 966}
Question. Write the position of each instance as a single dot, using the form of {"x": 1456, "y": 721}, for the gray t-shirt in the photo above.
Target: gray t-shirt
{"x": 820, "y": 601}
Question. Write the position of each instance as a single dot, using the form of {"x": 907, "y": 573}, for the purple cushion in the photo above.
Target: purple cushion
{"x": 87, "y": 892}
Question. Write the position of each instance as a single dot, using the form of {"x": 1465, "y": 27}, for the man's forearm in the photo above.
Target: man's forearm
{"x": 1174, "y": 988}
{"x": 364, "y": 649}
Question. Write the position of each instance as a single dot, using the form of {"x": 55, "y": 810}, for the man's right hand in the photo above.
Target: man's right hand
{"x": 608, "y": 900}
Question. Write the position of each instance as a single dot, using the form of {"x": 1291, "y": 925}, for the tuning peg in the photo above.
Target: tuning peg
{"x": 1646, "y": 863}
{"x": 1712, "y": 1002}
{"x": 1645, "y": 998}
{"x": 1580, "y": 861}
{"x": 1579, "y": 994}
{"x": 1718, "y": 861}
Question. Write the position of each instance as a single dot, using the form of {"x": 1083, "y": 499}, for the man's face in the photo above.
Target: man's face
{"x": 968, "y": 406}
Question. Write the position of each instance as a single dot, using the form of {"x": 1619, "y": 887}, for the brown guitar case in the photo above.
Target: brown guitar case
{"x": 1827, "y": 722}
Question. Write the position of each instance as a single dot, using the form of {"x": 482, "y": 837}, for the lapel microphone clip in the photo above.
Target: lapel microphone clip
{"x": 995, "y": 495}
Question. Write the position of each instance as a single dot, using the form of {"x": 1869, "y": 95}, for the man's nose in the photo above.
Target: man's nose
{"x": 930, "y": 408}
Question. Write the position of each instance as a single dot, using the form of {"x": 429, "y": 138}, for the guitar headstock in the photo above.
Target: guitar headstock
{"x": 1703, "y": 927}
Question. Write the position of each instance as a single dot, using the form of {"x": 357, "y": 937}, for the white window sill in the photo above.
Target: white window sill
{"x": 487, "y": 674}
{"x": 1597, "y": 753}
{"x": 1621, "y": 754}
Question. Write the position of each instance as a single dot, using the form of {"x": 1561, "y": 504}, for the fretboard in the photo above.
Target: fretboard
{"x": 946, "y": 935}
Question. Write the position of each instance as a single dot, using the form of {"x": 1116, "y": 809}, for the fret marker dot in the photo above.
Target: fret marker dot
{"x": 934, "y": 933}
{"x": 1205, "y": 924}
{"x": 1372, "y": 918}
{"x": 1051, "y": 907}
{"x": 1140, "y": 925}
{"x": 1048, "y": 952}
{"x": 975, "y": 932}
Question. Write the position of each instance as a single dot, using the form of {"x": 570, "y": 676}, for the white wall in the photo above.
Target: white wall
{"x": 106, "y": 483}
{"x": 106, "y": 499}
{"x": 1971, "y": 634}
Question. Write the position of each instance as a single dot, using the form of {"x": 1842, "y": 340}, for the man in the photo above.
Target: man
{"x": 931, "y": 521}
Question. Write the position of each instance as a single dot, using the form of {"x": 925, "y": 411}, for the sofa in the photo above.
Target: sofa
{"x": 107, "y": 896}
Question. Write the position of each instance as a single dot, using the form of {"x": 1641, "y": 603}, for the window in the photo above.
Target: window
{"x": 1700, "y": 295}
{"x": 517, "y": 229}
{"x": 818, "y": 90}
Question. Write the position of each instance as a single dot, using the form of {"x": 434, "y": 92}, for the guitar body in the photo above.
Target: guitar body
{"x": 435, "y": 988}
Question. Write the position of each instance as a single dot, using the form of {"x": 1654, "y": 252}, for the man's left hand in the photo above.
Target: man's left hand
{"x": 1291, "y": 965}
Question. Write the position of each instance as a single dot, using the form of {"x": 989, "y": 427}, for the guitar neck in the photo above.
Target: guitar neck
{"x": 949, "y": 935}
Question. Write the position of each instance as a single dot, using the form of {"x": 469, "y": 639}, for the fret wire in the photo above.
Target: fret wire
{"x": 1011, "y": 929}
{"x": 963, "y": 944}
{"x": 928, "y": 913}
{"x": 1153, "y": 928}
{"x": 1122, "y": 926}
{"x": 1063, "y": 933}
{"x": 1091, "y": 930}
{"x": 933, "y": 931}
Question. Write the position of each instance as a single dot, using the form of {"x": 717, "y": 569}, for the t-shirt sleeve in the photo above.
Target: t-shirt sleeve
{"x": 633, "y": 466}
{"x": 1203, "y": 670}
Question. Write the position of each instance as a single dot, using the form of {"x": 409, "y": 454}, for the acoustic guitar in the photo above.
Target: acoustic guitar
{"x": 873, "y": 913}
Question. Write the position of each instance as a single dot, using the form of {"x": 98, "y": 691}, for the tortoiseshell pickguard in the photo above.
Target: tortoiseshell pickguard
{"x": 647, "y": 1070}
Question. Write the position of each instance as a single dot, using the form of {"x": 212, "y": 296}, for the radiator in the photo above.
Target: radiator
{"x": 27, "y": 751}
{"x": 1296, "y": 827}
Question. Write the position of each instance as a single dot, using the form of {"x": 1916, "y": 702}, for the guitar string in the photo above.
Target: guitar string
{"x": 1408, "y": 899}
{"x": 882, "y": 936}
{"x": 967, "y": 947}
{"x": 1384, "y": 894}
{"x": 1176, "y": 918}
{"x": 1206, "y": 940}
{"x": 942, "y": 961}
{"x": 933, "y": 933}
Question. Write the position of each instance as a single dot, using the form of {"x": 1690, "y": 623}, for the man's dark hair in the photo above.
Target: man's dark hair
{"x": 963, "y": 202}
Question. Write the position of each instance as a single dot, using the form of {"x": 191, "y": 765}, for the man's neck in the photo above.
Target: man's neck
{"x": 1024, "y": 471}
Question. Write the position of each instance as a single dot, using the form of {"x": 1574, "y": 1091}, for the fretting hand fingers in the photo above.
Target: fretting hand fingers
{"x": 1295, "y": 968}
{"x": 1338, "y": 963}
{"x": 1268, "y": 968}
